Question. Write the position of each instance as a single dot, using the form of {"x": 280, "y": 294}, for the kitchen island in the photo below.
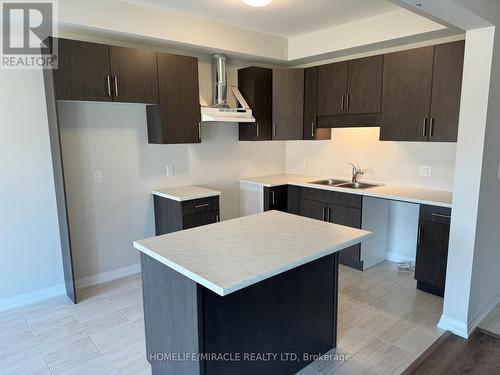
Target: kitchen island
{"x": 253, "y": 295}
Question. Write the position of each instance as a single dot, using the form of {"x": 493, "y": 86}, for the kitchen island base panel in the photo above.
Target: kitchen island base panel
{"x": 293, "y": 314}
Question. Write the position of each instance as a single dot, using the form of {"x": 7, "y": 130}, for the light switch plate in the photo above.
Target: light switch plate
{"x": 303, "y": 162}
{"x": 425, "y": 171}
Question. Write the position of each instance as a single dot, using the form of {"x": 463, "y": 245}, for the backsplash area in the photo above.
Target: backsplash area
{"x": 389, "y": 162}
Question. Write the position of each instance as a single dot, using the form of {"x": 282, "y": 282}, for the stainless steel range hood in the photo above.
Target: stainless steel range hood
{"x": 219, "y": 111}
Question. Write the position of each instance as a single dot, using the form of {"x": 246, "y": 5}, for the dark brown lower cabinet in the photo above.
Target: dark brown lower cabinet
{"x": 432, "y": 249}
{"x": 338, "y": 208}
{"x": 313, "y": 209}
{"x": 284, "y": 198}
{"x": 276, "y": 198}
{"x": 172, "y": 216}
{"x": 350, "y": 217}
{"x": 293, "y": 313}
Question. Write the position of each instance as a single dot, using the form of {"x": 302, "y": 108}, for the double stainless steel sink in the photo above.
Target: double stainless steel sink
{"x": 344, "y": 184}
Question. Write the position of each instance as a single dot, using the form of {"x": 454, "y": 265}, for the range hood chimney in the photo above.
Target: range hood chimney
{"x": 219, "y": 111}
{"x": 220, "y": 80}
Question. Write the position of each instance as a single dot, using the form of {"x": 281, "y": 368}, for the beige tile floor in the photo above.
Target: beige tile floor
{"x": 384, "y": 324}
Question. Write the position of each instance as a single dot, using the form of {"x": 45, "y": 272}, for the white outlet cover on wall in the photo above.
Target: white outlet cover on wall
{"x": 425, "y": 171}
{"x": 170, "y": 170}
{"x": 97, "y": 177}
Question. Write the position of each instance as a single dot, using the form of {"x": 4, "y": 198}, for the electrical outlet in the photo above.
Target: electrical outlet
{"x": 303, "y": 162}
{"x": 425, "y": 171}
{"x": 170, "y": 170}
{"x": 97, "y": 176}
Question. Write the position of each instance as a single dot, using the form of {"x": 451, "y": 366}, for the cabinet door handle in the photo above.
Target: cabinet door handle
{"x": 272, "y": 197}
{"x": 329, "y": 214}
{"x": 342, "y": 102}
{"x": 312, "y": 129}
{"x": 347, "y": 102}
{"x": 257, "y": 131}
{"x": 441, "y": 215}
{"x": 424, "y": 128}
{"x": 108, "y": 81}
{"x": 419, "y": 235}
{"x": 274, "y": 129}
{"x": 202, "y": 205}
{"x": 115, "y": 78}
{"x": 217, "y": 218}
{"x": 431, "y": 127}
{"x": 199, "y": 130}
{"x": 324, "y": 213}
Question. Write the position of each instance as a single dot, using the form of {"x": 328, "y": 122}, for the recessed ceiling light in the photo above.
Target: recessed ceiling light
{"x": 257, "y": 3}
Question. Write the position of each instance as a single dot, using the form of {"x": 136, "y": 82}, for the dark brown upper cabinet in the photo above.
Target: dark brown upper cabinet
{"x": 350, "y": 93}
{"x": 83, "y": 71}
{"x": 311, "y": 131}
{"x": 332, "y": 87}
{"x": 255, "y": 84}
{"x": 288, "y": 104}
{"x": 98, "y": 72}
{"x": 406, "y": 95}
{"x": 177, "y": 118}
{"x": 364, "y": 85}
{"x": 446, "y": 91}
{"x": 134, "y": 75}
{"x": 421, "y": 94}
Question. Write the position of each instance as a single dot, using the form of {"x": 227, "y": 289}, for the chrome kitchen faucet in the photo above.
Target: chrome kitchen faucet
{"x": 356, "y": 171}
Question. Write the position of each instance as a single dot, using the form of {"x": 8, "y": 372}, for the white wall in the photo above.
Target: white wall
{"x": 105, "y": 218}
{"x": 467, "y": 180}
{"x": 485, "y": 282}
{"x": 29, "y": 234}
{"x": 403, "y": 230}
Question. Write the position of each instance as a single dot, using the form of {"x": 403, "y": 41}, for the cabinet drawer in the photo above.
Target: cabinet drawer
{"x": 332, "y": 197}
{"x": 200, "y": 205}
{"x": 435, "y": 214}
{"x": 199, "y": 219}
{"x": 342, "y": 215}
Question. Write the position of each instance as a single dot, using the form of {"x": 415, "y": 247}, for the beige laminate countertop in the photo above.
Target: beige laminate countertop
{"x": 416, "y": 195}
{"x": 231, "y": 255}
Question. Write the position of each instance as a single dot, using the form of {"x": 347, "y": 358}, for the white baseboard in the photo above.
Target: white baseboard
{"x": 32, "y": 297}
{"x": 395, "y": 257}
{"x": 453, "y": 325}
{"x": 60, "y": 289}
{"x": 465, "y": 329}
{"x": 481, "y": 315}
{"x": 108, "y": 276}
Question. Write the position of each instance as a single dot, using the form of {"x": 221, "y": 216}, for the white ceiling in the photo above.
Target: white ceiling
{"x": 286, "y": 18}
